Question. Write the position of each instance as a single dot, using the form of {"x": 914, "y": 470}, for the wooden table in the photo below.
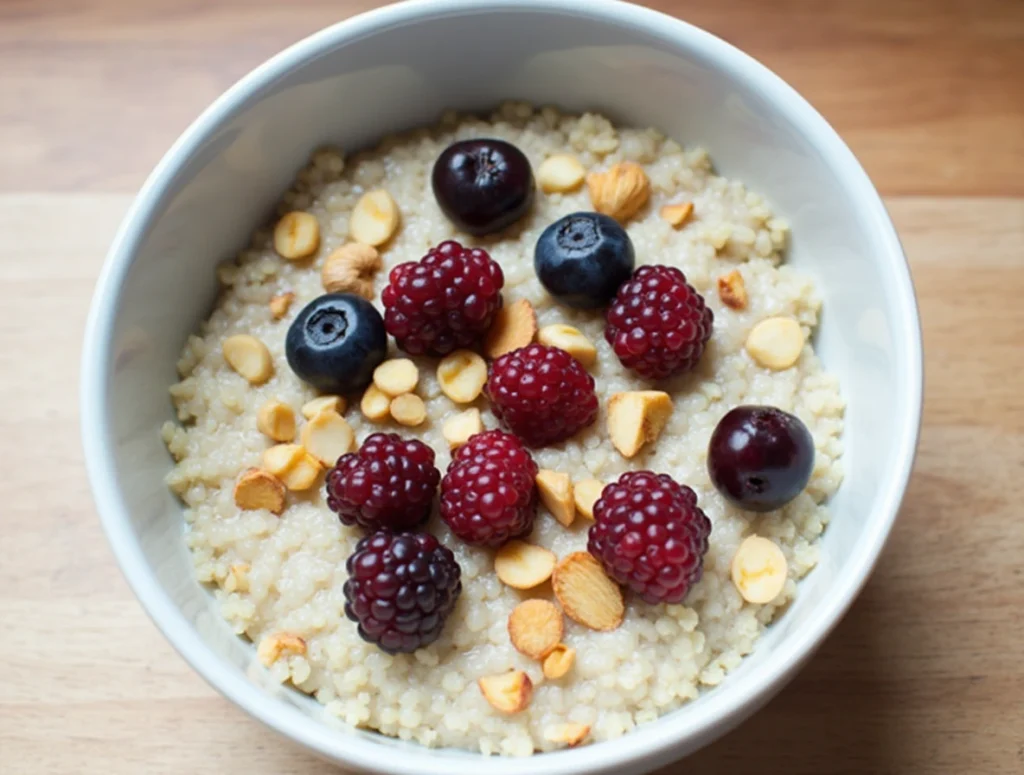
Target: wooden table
{"x": 926, "y": 673}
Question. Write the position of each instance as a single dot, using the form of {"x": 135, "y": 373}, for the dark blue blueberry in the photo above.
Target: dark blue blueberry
{"x": 583, "y": 258}
{"x": 336, "y": 342}
{"x": 483, "y": 185}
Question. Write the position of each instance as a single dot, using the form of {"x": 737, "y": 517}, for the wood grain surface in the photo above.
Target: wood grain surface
{"x": 926, "y": 673}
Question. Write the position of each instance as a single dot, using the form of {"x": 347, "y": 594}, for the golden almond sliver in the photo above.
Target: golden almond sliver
{"x": 586, "y": 593}
{"x": 523, "y": 566}
{"x": 535, "y": 628}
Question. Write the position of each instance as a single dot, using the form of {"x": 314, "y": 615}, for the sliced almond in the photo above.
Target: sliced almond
{"x": 297, "y": 235}
{"x": 637, "y": 418}
{"x": 256, "y": 489}
{"x": 556, "y": 494}
{"x": 776, "y": 343}
{"x": 732, "y": 290}
{"x": 676, "y": 214}
{"x": 759, "y": 570}
{"x": 571, "y": 340}
{"x": 523, "y": 566}
{"x": 514, "y": 326}
{"x": 408, "y": 410}
{"x": 462, "y": 375}
{"x": 570, "y": 733}
{"x": 276, "y": 420}
{"x": 376, "y": 404}
{"x": 280, "y": 304}
{"x": 560, "y": 173}
{"x": 327, "y": 437}
{"x": 459, "y": 428}
{"x": 350, "y": 269}
{"x": 311, "y": 409}
{"x": 396, "y": 377}
{"x": 536, "y": 628}
{"x": 249, "y": 357}
{"x": 587, "y": 595}
{"x": 374, "y": 219}
{"x": 558, "y": 662}
{"x": 509, "y": 692}
{"x": 621, "y": 191}
{"x": 293, "y": 465}
{"x": 586, "y": 494}
{"x": 279, "y": 644}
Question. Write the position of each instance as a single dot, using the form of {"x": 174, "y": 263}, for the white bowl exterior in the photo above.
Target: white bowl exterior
{"x": 396, "y": 68}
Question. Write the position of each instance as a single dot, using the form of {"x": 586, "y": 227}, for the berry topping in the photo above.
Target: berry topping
{"x": 390, "y": 482}
{"x": 541, "y": 394}
{"x": 650, "y": 535}
{"x": 760, "y": 457}
{"x": 583, "y": 258}
{"x": 483, "y": 185}
{"x": 658, "y": 324}
{"x": 336, "y": 342}
{"x": 400, "y": 589}
{"x": 488, "y": 495}
{"x": 445, "y": 301}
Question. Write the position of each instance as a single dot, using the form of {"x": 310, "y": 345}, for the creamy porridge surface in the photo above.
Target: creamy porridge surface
{"x": 285, "y": 574}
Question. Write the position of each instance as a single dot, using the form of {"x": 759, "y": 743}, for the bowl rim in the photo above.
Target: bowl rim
{"x": 655, "y": 742}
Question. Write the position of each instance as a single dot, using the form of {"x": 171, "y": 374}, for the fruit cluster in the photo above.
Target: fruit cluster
{"x": 649, "y": 534}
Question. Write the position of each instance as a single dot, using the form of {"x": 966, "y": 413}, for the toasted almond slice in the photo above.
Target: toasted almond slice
{"x": 312, "y": 408}
{"x": 571, "y": 340}
{"x": 523, "y": 566}
{"x": 535, "y": 627}
{"x": 676, "y": 214}
{"x": 732, "y": 290}
{"x": 587, "y": 595}
{"x": 279, "y": 644}
{"x": 376, "y": 404}
{"x": 509, "y": 692}
{"x": 558, "y": 662}
{"x": 248, "y": 356}
{"x": 297, "y": 235}
{"x": 586, "y": 494}
{"x": 374, "y": 219}
{"x": 350, "y": 269}
{"x": 280, "y": 304}
{"x": 571, "y": 733}
{"x": 276, "y": 420}
{"x": 327, "y": 437}
{"x": 776, "y": 343}
{"x": 396, "y": 377}
{"x": 637, "y": 418}
{"x": 256, "y": 489}
{"x": 560, "y": 173}
{"x": 514, "y": 326}
{"x": 281, "y": 457}
{"x": 759, "y": 570}
{"x": 462, "y": 375}
{"x": 408, "y": 410}
{"x": 459, "y": 428}
{"x": 556, "y": 494}
{"x": 621, "y": 191}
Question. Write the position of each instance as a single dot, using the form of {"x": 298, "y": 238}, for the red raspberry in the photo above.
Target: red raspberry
{"x": 400, "y": 589}
{"x": 444, "y": 301}
{"x": 658, "y": 324}
{"x": 650, "y": 535}
{"x": 390, "y": 482}
{"x": 541, "y": 394}
{"x": 488, "y": 495}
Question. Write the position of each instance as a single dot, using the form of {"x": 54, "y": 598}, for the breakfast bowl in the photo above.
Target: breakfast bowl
{"x": 403, "y": 67}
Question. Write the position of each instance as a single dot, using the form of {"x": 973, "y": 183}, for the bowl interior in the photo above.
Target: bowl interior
{"x": 398, "y": 68}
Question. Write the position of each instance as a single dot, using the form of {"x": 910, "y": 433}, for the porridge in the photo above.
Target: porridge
{"x": 513, "y": 640}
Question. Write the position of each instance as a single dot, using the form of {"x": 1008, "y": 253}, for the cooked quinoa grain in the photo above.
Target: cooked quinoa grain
{"x": 274, "y": 574}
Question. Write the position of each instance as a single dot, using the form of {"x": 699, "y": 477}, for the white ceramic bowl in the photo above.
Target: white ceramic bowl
{"x": 398, "y": 67}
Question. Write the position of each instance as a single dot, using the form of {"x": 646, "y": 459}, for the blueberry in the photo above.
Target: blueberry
{"x": 583, "y": 258}
{"x": 483, "y": 185}
{"x": 336, "y": 342}
{"x": 760, "y": 457}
